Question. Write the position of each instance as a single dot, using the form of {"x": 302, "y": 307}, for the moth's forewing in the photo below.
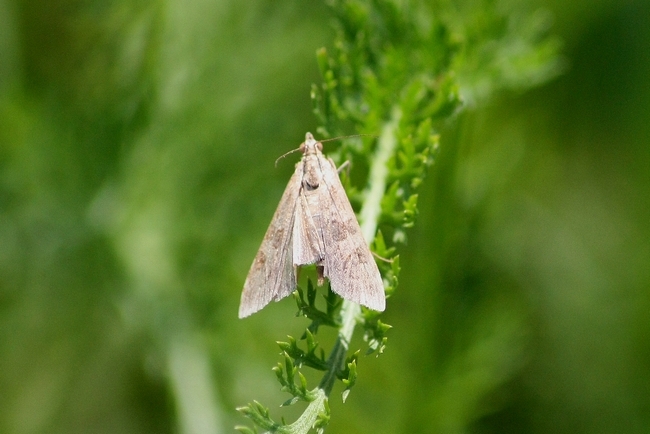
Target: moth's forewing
{"x": 349, "y": 264}
{"x": 272, "y": 274}
{"x": 307, "y": 243}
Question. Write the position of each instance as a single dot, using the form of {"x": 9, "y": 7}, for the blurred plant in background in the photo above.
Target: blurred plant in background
{"x": 136, "y": 180}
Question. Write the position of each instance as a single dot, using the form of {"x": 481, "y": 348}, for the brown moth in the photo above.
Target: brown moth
{"x": 313, "y": 224}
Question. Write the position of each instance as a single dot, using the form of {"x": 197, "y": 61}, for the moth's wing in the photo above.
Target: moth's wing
{"x": 307, "y": 244}
{"x": 272, "y": 275}
{"x": 349, "y": 265}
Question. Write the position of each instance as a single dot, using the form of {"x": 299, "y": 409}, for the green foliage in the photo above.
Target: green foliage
{"x": 307, "y": 307}
{"x": 300, "y": 357}
{"x": 349, "y": 375}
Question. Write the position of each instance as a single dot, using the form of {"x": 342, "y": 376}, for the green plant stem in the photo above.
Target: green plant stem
{"x": 309, "y": 416}
{"x": 371, "y": 209}
{"x": 191, "y": 381}
{"x": 350, "y": 311}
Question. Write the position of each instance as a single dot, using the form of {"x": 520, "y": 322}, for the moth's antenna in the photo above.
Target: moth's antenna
{"x": 321, "y": 141}
{"x": 284, "y": 155}
{"x": 348, "y": 137}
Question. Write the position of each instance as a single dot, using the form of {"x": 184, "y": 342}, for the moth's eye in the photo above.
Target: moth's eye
{"x": 319, "y": 146}
{"x": 302, "y": 147}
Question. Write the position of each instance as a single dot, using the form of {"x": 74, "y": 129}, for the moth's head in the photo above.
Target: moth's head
{"x": 310, "y": 145}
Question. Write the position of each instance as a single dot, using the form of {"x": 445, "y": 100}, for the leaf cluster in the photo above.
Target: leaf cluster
{"x": 311, "y": 355}
{"x": 390, "y": 63}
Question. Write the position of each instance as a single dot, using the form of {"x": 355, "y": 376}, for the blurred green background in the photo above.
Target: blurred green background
{"x": 137, "y": 142}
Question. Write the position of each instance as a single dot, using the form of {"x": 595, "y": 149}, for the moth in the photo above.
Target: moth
{"x": 313, "y": 224}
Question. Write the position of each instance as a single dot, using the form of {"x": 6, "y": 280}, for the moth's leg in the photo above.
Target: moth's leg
{"x": 346, "y": 166}
{"x": 296, "y": 273}
{"x": 320, "y": 270}
{"x": 381, "y": 258}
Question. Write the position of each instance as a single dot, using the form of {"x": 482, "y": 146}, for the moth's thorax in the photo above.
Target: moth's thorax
{"x": 312, "y": 172}
{"x": 312, "y": 175}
